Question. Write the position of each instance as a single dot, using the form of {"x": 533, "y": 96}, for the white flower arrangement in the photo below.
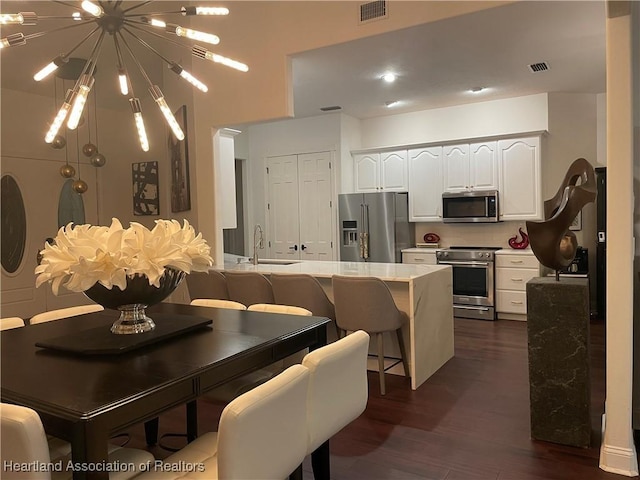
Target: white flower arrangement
{"x": 83, "y": 255}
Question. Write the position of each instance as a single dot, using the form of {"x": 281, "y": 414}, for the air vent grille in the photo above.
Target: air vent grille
{"x": 330, "y": 109}
{"x": 538, "y": 67}
{"x": 373, "y": 11}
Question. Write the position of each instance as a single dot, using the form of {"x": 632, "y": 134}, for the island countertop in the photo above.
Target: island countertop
{"x": 423, "y": 292}
{"x": 389, "y": 272}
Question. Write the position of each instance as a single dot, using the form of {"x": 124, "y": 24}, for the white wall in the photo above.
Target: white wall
{"x": 498, "y": 117}
{"x": 350, "y": 138}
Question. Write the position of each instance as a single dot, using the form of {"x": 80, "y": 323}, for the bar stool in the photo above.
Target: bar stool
{"x": 303, "y": 290}
{"x": 210, "y": 302}
{"x": 249, "y": 287}
{"x": 8, "y": 323}
{"x": 365, "y": 303}
{"x": 211, "y": 284}
{"x": 65, "y": 313}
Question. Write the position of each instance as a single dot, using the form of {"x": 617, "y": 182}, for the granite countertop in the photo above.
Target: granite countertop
{"x": 395, "y": 272}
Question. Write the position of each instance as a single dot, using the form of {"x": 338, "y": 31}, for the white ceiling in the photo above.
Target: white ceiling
{"x": 437, "y": 63}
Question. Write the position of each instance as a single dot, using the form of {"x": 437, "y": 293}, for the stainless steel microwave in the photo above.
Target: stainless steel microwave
{"x": 477, "y": 206}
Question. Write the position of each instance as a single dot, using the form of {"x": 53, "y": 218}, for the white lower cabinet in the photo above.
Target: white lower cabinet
{"x": 419, "y": 256}
{"x": 513, "y": 270}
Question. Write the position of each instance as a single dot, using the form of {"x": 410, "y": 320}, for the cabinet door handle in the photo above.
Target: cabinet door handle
{"x": 516, "y": 279}
{"x": 417, "y": 259}
{"x": 295, "y": 247}
{"x": 515, "y": 261}
{"x": 514, "y": 302}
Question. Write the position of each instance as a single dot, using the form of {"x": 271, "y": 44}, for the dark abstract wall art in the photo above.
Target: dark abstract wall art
{"x": 179, "y": 155}
{"x": 145, "y": 188}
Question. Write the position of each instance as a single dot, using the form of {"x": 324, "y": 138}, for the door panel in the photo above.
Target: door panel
{"x": 40, "y": 184}
{"x": 283, "y": 206}
{"x": 316, "y": 230}
{"x": 456, "y": 167}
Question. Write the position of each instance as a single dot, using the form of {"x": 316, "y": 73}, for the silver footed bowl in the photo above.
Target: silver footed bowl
{"x": 132, "y": 301}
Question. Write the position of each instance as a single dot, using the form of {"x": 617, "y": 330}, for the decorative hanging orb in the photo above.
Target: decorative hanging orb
{"x": 67, "y": 171}
{"x": 80, "y": 186}
{"x": 89, "y": 149}
{"x": 98, "y": 160}
{"x": 58, "y": 142}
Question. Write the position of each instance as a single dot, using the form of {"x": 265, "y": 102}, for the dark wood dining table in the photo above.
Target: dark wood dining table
{"x": 85, "y": 397}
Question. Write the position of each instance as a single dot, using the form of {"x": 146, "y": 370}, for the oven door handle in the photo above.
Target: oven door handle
{"x": 472, "y": 263}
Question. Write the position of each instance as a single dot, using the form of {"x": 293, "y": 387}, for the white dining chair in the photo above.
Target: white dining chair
{"x": 338, "y": 391}
{"x": 210, "y": 302}
{"x": 262, "y": 434}
{"x": 23, "y": 440}
{"x": 8, "y": 323}
{"x": 273, "y": 308}
{"x": 64, "y": 313}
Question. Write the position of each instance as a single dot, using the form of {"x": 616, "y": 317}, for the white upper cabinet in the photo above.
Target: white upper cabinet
{"x": 470, "y": 167}
{"x": 520, "y": 184}
{"x": 425, "y": 184}
{"x": 384, "y": 171}
{"x": 483, "y": 166}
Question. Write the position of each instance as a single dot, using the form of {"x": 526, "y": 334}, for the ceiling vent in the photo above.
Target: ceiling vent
{"x": 373, "y": 11}
{"x": 331, "y": 109}
{"x": 538, "y": 67}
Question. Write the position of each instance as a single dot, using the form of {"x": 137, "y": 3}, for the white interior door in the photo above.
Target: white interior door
{"x": 316, "y": 208}
{"x": 284, "y": 230}
{"x": 40, "y": 184}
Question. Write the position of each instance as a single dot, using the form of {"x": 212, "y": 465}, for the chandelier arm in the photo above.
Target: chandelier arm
{"x": 153, "y": 14}
{"x": 137, "y": 26}
{"x": 67, "y": 4}
{"x": 135, "y": 59}
{"x": 145, "y": 44}
{"x": 82, "y": 41}
{"x": 45, "y": 32}
{"x": 136, "y": 6}
{"x": 90, "y": 65}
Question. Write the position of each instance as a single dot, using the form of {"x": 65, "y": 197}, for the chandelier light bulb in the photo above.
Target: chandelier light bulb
{"x": 166, "y": 111}
{"x": 202, "y": 52}
{"x": 22, "y": 18}
{"x": 193, "y": 34}
{"x": 154, "y": 22}
{"x": 76, "y": 16}
{"x": 205, "y": 11}
{"x": 60, "y": 117}
{"x": 92, "y": 8}
{"x": 137, "y": 116}
{"x": 50, "y": 68}
{"x": 123, "y": 81}
{"x": 188, "y": 77}
{"x": 86, "y": 82}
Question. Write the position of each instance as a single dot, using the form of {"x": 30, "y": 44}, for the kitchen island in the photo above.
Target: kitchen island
{"x": 423, "y": 292}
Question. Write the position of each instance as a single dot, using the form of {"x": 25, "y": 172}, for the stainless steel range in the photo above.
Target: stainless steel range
{"x": 473, "y": 280}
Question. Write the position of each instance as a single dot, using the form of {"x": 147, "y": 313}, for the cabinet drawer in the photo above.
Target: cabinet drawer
{"x": 517, "y": 261}
{"x": 427, "y": 258}
{"x": 509, "y": 301}
{"x": 514, "y": 278}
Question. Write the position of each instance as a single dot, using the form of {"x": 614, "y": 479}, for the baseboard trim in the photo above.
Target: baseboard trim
{"x": 618, "y": 460}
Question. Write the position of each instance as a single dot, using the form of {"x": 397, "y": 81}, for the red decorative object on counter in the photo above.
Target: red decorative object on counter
{"x": 431, "y": 238}
{"x": 519, "y": 245}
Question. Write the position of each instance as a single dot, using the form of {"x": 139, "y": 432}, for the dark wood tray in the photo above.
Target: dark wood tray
{"x": 100, "y": 340}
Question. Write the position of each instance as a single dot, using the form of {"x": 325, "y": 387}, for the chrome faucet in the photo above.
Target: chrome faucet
{"x": 257, "y": 242}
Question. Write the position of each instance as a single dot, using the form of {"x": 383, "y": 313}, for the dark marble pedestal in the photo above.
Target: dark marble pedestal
{"x": 558, "y": 332}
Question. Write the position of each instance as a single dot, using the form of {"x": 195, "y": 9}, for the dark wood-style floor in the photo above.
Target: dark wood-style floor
{"x": 469, "y": 421}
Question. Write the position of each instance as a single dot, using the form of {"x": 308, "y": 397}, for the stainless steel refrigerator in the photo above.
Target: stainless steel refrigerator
{"x": 374, "y": 227}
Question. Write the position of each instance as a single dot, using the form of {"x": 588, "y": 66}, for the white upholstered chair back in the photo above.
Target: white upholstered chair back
{"x": 273, "y": 308}
{"x": 23, "y": 440}
{"x": 338, "y": 389}
{"x": 208, "y": 302}
{"x": 64, "y": 313}
{"x": 8, "y": 323}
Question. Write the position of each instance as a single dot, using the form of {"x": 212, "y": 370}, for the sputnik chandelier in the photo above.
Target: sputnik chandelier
{"x": 119, "y": 20}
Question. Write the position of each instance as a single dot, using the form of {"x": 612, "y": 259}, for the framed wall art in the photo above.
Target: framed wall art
{"x": 179, "y": 154}
{"x": 577, "y": 222}
{"x": 145, "y": 188}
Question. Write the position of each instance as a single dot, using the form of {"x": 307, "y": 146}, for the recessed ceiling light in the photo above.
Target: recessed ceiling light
{"x": 391, "y": 103}
{"x": 389, "y": 77}
{"x": 476, "y": 89}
